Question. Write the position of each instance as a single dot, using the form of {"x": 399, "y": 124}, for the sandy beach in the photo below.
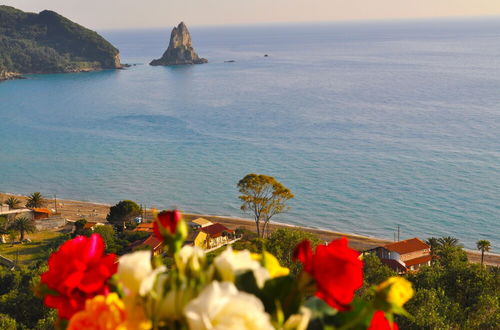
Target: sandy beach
{"x": 92, "y": 211}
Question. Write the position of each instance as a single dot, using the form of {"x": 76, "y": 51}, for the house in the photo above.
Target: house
{"x": 213, "y": 236}
{"x": 8, "y": 212}
{"x": 403, "y": 256}
{"x": 41, "y": 213}
{"x": 154, "y": 244}
{"x": 200, "y": 223}
{"x": 146, "y": 227}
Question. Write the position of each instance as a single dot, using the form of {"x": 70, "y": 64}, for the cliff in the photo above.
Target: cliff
{"x": 50, "y": 43}
{"x": 180, "y": 49}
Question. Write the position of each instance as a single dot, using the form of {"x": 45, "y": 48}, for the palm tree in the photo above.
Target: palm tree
{"x": 35, "y": 200}
{"x": 12, "y": 202}
{"x": 448, "y": 241}
{"x": 483, "y": 245}
{"x": 23, "y": 225}
{"x": 433, "y": 242}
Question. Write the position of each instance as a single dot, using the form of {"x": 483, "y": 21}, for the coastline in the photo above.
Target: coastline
{"x": 96, "y": 212}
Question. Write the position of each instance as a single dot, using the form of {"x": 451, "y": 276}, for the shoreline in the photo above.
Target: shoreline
{"x": 96, "y": 212}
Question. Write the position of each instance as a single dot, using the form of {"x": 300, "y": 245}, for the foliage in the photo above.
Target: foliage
{"x": 17, "y": 299}
{"x": 282, "y": 242}
{"x": 23, "y": 225}
{"x": 263, "y": 196}
{"x": 109, "y": 236}
{"x": 123, "y": 213}
{"x": 12, "y": 202}
{"x": 374, "y": 271}
{"x": 454, "y": 294}
{"x": 7, "y": 322}
{"x": 35, "y": 200}
{"x": 48, "y": 42}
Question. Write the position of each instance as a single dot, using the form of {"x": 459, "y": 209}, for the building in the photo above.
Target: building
{"x": 41, "y": 213}
{"x": 145, "y": 227}
{"x": 403, "y": 256}
{"x": 200, "y": 223}
{"x": 214, "y": 235}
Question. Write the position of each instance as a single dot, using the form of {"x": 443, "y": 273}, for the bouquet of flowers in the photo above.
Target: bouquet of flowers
{"x": 237, "y": 290}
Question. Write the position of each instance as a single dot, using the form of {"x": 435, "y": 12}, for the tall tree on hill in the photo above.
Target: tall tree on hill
{"x": 12, "y": 202}
{"x": 122, "y": 213}
{"x": 35, "y": 200}
{"x": 263, "y": 196}
{"x": 483, "y": 246}
{"x": 23, "y": 225}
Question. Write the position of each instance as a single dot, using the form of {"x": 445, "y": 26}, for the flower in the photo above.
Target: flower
{"x": 397, "y": 289}
{"x": 380, "y": 322}
{"x": 133, "y": 268}
{"x": 106, "y": 313}
{"x": 337, "y": 271}
{"x": 166, "y": 221}
{"x": 298, "y": 321}
{"x": 77, "y": 271}
{"x": 230, "y": 264}
{"x": 222, "y": 306}
{"x": 272, "y": 264}
{"x": 192, "y": 258}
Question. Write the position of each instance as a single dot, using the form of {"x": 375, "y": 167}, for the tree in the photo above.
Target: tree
{"x": 23, "y": 225}
{"x": 109, "y": 236}
{"x": 35, "y": 200}
{"x": 12, "y": 202}
{"x": 448, "y": 241}
{"x": 4, "y": 228}
{"x": 282, "y": 242}
{"x": 483, "y": 245}
{"x": 122, "y": 213}
{"x": 263, "y": 196}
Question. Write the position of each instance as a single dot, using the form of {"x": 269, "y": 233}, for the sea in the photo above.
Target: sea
{"x": 372, "y": 125}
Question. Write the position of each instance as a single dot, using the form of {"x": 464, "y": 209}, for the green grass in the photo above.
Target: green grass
{"x": 42, "y": 243}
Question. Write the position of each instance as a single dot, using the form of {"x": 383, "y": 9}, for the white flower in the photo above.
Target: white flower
{"x": 298, "y": 321}
{"x": 133, "y": 268}
{"x": 231, "y": 263}
{"x": 220, "y": 306}
{"x": 192, "y": 257}
{"x": 149, "y": 281}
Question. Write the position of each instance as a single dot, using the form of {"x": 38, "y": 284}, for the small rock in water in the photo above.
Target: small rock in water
{"x": 266, "y": 55}
{"x": 230, "y": 61}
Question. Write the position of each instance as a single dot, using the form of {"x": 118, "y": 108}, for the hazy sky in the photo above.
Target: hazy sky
{"x": 102, "y": 14}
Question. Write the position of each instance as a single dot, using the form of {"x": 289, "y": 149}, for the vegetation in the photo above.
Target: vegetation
{"x": 42, "y": 243}
{"x": 263, "y": 196}
{"x": 35, "y": 200}
{"x": 483, "y": 246}
{"x": 23, "y": 225}
{"x": 122, "y": 214}
{"x": 48, "y": 42}
{"x": 12, "y": 202}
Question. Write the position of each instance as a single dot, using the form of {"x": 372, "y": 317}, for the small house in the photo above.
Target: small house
{"x": 403, "y": 256}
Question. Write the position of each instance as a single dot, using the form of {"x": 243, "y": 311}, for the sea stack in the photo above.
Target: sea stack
{"x": 180, "y": 49}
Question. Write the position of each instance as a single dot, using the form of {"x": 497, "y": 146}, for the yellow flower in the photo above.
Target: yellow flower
{"x": 271, "y": 264}
{"x": 399, "y": 292}
{"x": 106, "y": 313}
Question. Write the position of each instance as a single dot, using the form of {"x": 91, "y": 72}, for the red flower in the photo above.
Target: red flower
{"x": 336, "y": 269}
{"x": 167, "y": 220}
{"x": 77, "y": 271}
{"x": 380, "y": 322}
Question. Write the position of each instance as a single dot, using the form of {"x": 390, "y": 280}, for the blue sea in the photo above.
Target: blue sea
{"x": 371, "y": 124}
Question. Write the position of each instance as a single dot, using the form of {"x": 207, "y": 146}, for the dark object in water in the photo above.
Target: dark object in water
{"x": 230, "y": 61}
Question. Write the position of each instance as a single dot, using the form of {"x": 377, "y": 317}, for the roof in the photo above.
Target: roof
{"x": 407, "y": 246}
{"x": 153, "y": 242}
{"x": 202, "y": 222}
{"x": 148, "y": 227}
{"x": 417, "y": 261}
{"x": 89, "y": 225}
{"x": 215, "y": 230}
{"x": 394, "y": 264}
{"x": 41, "y": 210}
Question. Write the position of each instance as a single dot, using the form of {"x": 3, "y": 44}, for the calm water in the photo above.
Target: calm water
{"x": 370, "y": 124}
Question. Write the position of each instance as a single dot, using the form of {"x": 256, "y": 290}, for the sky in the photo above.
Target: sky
{"x": 116, "y": 14}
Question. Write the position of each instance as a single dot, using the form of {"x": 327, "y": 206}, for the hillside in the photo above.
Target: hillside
{"x": 50, "y": 43}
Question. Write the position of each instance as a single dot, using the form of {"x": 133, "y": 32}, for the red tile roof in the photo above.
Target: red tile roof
{"x": 407, "y": 246}
{"x": 215, "y": 230}
{"x": 148, "y": 227}
{"x": 417, "y": 261}
{"x": 153, "y": 242}
{"x": 41, "y": 210}
{"x": 89, "y": 225}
